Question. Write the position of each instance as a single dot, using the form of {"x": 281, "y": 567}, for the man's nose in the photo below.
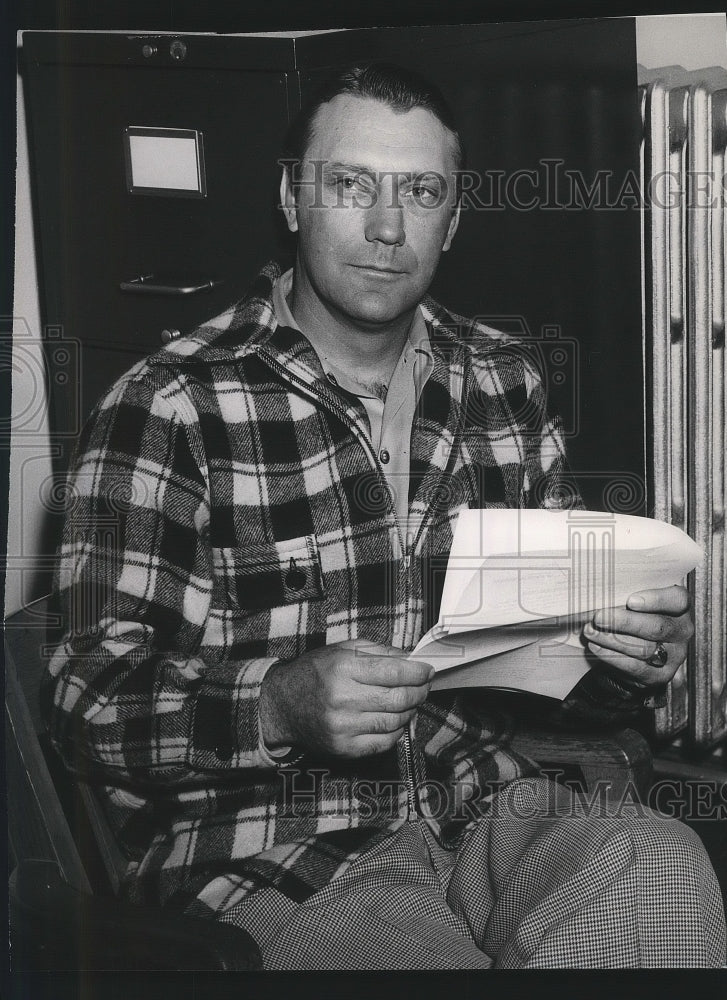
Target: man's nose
{"x": 385, "y": 220}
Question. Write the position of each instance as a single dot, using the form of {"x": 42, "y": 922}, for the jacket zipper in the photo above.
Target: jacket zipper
{"x": 412, "y": 811}
{"x": 406, "y": 739}
{"x": 414, "y": 807}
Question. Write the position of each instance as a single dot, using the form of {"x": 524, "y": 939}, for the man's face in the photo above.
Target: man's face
{"x": 379, "y": 211}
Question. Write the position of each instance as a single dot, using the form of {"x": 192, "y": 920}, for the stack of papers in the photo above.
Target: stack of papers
{"x": 520, "y": 584}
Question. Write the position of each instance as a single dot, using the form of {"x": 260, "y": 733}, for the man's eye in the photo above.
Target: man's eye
{"x": 424, "y": 195}
{"x": 348, "y": 182}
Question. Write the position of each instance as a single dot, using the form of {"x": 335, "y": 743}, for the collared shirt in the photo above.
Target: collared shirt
{"x": 390, "y": 420}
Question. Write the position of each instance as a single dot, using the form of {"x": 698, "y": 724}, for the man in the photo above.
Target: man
{"x": 281, "y": 485}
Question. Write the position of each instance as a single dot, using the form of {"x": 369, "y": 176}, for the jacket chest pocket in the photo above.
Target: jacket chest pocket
{"x": 270, "y": 575}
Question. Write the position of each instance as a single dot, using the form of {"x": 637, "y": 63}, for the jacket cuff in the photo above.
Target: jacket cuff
{"x": 600, "y": 697}
{"x": 226, "y": 731}
{"x": 278, "y": 757}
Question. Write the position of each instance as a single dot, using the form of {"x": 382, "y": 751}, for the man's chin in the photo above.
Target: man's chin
{"x": 378, "y": 311}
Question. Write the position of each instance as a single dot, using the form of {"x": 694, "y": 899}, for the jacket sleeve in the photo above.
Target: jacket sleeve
{"x": 126, "y": 690}
{"x": 600, "y": 696}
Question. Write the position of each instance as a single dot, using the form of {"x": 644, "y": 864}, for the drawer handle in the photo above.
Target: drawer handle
{"x": 152, "y": 284}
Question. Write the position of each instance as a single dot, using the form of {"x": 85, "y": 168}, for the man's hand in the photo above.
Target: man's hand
{"x": 625, "y": 638}
{"x": 350, "y": 699}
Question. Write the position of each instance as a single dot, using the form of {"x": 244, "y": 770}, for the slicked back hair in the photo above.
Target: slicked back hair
{"x": 398, "y": 88}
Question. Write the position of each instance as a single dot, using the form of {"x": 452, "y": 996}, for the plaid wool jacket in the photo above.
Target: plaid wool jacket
{"x": 226, "y": 509}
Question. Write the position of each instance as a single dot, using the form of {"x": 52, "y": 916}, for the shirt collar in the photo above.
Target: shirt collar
{"x": 417, "y": 346}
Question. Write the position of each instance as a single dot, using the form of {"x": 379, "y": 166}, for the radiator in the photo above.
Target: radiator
{"x": 683, "y": 167}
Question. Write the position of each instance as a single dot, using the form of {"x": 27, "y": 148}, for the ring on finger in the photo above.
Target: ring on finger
{"x": 659, "y": 657}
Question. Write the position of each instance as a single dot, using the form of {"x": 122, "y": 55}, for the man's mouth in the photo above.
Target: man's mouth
{"x": 379, "y": 269}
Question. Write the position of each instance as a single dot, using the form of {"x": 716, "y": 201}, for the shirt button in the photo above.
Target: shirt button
{"x": 384, "y": 456}
{"x": 295, "y": 580}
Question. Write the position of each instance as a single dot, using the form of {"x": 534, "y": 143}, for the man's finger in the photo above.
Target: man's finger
{"x": 642, "y": 626}
{"x": 365, "y": 647}
{"x": 378, "y": 723}
{"x": 664, "y": 601}
{"x": 626, "y": 643}
{"x": 391, "y": 671}
{"x": 635, "y": 669}
{"x": 365, "y": 746}
{"x": 376, "y": 698}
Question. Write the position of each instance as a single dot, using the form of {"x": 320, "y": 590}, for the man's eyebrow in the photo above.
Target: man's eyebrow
{"x": 356, "y": 168}
{"x": 332, "y": 166}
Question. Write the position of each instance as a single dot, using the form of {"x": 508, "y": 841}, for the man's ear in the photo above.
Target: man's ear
{"x": 453, "y": 224}
{"x": 287, "y": 201}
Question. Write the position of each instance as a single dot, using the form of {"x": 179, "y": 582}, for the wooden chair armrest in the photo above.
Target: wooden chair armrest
{"x": 621, "y": 757}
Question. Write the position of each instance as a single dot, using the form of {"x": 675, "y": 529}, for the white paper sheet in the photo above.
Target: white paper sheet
{"x": 551, "y": 667}
{"x": 526, "y": 580}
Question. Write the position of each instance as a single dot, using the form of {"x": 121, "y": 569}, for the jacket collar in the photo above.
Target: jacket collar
{"x": 250, "y": 324}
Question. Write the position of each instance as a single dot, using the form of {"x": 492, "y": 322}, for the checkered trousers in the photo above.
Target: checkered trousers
{"x": 225, "y": 510}
{"x": 540, "y": 883}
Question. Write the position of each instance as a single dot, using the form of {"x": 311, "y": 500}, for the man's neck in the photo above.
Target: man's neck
{"x": 369, "y": 352}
